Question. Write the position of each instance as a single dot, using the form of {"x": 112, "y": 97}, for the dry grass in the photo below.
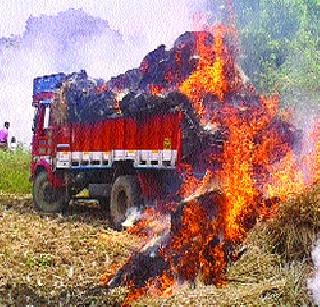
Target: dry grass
{"x": 275, "y": 268}
{"x": 293, "y": 232}
{"x": 57, "y": 258}
{"x": 257, "y": 279}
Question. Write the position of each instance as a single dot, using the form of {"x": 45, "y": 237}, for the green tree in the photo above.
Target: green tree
{"x": 280, "y": 46}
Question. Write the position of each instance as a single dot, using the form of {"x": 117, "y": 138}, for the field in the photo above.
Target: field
{"x": 56, "y": 257}
{"x": 14, "y": 170}
{"x": 52, "y": 259}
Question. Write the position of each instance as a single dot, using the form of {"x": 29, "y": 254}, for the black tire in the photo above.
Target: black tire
{"x": 47, "y": 198}
{"x": 125, "y": 193}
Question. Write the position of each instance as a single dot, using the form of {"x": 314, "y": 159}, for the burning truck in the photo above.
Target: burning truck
{"x": 185, "y": 133}
{"x": 132, "y": 133}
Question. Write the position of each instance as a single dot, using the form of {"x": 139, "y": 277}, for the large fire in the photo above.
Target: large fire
{"x": 258, "y": 167}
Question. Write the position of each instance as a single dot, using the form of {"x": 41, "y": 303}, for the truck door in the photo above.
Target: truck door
{"x": 61, "y": 141}
{"x": 42, "y": 140}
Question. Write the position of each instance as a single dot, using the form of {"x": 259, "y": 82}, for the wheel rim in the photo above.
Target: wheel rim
{"x": 50, "y": 195}
{"x": 40, "y": 192}
{"x": 46, "y": 193}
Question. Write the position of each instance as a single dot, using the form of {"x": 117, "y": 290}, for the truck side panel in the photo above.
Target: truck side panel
{"x": 148, "y": 141}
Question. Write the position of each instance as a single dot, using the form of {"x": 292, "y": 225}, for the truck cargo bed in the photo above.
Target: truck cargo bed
{"x": 149, "y": 141}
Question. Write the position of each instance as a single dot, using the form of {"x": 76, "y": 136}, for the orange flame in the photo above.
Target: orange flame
{"x": 293, "y": 174}
{"x": 287, "y": 179}
{"x": 209, "y": 77}
{"x": 253, "y": 178}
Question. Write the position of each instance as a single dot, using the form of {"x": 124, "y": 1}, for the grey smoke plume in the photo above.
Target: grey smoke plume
{"x": 73, "y": 39}
{"x": 314, "y": 283}
{"x": 48, "y": 45}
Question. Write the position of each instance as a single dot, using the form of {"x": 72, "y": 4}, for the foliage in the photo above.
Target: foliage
{"x": 15, "y": 172}
{"x": 280, "y": 45}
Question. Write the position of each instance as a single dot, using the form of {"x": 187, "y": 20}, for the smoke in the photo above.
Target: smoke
{"x": 314, "y": 283}
{"x": 132, "y": 215}
{"x": 107, "y": 45}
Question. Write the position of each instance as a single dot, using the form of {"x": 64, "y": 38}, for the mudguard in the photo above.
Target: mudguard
{"x": 55, "y": 179}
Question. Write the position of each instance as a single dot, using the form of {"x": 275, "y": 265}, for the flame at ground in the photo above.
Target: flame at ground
{"x": 258, "y": 167}
{"x": 216, "y": 74}
{"x": 293, "y": 174}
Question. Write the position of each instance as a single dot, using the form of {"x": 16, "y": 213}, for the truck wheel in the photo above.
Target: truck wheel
{"x": 125, "y": 194}
{"x": 47, "y": 198}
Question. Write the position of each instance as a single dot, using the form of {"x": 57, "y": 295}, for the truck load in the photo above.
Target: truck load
{"x": 128, "y": 139}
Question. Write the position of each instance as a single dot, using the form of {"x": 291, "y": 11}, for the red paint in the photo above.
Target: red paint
{"x": 122, "y": 133}
{"x": 153, "y": 132}
{"x": 54, "y": 179}
{"x": 42, "y": 96}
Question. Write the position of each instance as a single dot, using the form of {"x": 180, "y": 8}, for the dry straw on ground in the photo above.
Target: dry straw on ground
{"x": 257, "y": 279}
{"x": 274, "y": 269}
{"x": 51, "y": 259}
{"x": 59, "y": 259}
{"x": 294, "y": 230}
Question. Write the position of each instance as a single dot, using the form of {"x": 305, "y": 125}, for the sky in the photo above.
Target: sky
{"x": 104, "y": 37}
{"x": 154, "y": 18}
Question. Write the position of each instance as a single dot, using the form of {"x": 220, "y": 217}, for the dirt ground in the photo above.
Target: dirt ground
{"x": 55, "y": 259}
